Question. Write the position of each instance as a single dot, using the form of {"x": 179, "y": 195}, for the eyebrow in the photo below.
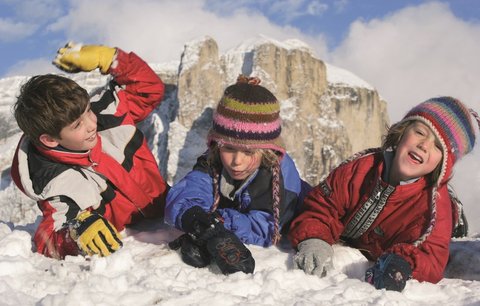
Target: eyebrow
{"x": 87, "y": 109}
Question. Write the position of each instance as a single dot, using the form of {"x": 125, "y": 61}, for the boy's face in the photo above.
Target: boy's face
{"x": 80, "y": 135}
{"x": 418, "y": 153}
{"x": 240, "y": 163}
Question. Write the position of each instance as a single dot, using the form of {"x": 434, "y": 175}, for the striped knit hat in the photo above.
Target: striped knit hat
{"x": 451, "y": 122}
{"x": 248, "y": 116}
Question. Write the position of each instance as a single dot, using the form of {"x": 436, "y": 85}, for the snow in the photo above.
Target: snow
{"x": 260, "y": 39}
{"x": 146, "y": 272}
{"x": 191, "y": 52}
{"x": 288, "y": 109}
{"x": 339, "y": 77}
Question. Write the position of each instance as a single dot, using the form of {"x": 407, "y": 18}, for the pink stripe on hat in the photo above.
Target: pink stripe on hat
{"x": 232, "y": 124}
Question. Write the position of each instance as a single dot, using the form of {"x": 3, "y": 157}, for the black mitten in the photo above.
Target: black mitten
{"x": 390, "y": 272}
{"x": 196, "y": 221}
{"x": 225, "y": 249}
{"x": 230, "y": 254}
{"x": 192, "y": 253}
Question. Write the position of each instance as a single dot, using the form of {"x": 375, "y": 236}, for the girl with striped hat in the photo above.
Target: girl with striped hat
{"x": 244, "y": 189}
{"x": 392, "y": 203}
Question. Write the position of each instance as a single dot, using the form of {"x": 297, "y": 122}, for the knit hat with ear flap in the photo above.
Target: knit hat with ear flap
{"x": 451, "y": 121}
{"x": 247, "y": 116}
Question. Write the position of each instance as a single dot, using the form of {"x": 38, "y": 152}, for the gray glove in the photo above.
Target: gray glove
{"x": 314, "y": 256}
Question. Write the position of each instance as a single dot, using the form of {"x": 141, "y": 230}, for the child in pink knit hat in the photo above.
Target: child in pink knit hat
{"x": 393, "y": 202}
{"x": 244, "y": 189}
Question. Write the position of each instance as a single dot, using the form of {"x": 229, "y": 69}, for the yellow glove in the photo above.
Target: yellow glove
{"x": 75, "y": 57}
{"x": 94, "y": 234}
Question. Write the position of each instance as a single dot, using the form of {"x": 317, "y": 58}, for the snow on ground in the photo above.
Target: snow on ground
{"x": 146, "y": 272}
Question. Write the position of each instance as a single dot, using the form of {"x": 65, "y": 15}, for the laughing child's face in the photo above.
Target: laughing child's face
{"x": 418, "y": 153}
{"x": 80, "y": 135}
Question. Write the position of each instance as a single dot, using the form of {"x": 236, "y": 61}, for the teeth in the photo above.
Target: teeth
{"x": 416, "y": 157}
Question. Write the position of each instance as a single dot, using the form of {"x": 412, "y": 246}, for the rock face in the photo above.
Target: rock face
{"x": 325, "y": 119}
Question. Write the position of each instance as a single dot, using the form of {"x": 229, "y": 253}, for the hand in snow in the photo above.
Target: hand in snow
{"x": 94, "y": 234}
{"x": 314, "y": 256}
{"x": 224, "y": 248}
{"x": 390, "y": 272}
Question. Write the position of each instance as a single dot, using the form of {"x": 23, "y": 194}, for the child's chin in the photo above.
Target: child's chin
{"x": 239, "y": 177}
{"x": 91, "y": 144}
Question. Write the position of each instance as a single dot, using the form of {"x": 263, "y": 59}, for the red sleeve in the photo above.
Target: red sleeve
{"x": 51, "y": 243}
{"x": 429, "y": 258}
{"x": 143, "y": 89}
{"x": 322, "y": 210}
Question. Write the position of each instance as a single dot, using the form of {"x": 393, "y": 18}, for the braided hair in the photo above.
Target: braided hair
{"x": 248, "y": 116}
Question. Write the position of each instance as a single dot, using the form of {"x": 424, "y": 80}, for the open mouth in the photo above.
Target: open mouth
{"x": 415, "y": 157}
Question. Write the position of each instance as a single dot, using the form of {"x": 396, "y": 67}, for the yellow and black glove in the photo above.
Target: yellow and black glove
{"x": 75, "y": 57}
{"x": 94, "y": 234}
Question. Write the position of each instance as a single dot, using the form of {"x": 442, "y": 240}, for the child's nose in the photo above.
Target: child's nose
{"x": 237, "y": 158}
{"x": 426, "y": 145}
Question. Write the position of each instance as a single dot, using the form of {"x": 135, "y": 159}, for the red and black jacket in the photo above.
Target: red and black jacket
{"x": 119, "y": 178}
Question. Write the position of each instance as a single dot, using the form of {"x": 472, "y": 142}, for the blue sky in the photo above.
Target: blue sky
{"x": 29, "y": 30}
{"x": 333, "y": 18}
{"x": 409, "y": 50}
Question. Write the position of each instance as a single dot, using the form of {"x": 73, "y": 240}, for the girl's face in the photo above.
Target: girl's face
{"x": 418, "y": 153}
{"x": 239, "y": 163}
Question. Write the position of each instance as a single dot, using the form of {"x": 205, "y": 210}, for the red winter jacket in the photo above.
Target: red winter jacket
{"x": 412, "y": 224}
{"x": 119, "y": 178}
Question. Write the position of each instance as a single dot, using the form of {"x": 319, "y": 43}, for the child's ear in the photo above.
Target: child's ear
{"x": 48, "y": 141}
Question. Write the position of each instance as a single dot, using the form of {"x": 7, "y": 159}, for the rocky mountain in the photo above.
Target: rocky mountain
{"x": 328, "y": 113}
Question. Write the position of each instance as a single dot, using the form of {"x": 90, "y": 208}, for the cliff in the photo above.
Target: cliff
{"x": 328, "y": 113}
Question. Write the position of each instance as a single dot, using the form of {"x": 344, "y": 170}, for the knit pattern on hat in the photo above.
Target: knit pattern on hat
{"x": 247, "y": 116}
{"x": 451, "y": 123}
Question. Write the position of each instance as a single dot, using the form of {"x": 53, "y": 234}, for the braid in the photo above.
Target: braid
{"x": 276, "y": 202}
{"x": 216, "y": 192}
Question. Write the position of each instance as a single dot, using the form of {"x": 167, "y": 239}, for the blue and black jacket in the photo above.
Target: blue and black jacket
{"x": 248, "y": 212}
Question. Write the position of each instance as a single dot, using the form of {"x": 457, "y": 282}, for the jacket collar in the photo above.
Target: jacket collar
{"x": 65, "y": 156}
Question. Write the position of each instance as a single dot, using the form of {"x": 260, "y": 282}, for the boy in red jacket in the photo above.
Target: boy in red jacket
{"x": 82, "y": 158}
{"x": 392, "y": 203}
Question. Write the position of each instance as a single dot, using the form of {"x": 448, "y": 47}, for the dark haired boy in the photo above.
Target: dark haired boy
{"x": 82, "y": 158}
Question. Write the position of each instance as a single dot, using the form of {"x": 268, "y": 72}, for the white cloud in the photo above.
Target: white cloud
{"x": 28, "y": 17}
{"x": 32, "y": 67}
{"x": 159, "y": 30}
{"x": 289, "y": 10}
{"x": 414, "y": 54}
{"x": 38, "y": 10}
{"x": 14, "y": 31}
{"x": 316, "y": 8}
